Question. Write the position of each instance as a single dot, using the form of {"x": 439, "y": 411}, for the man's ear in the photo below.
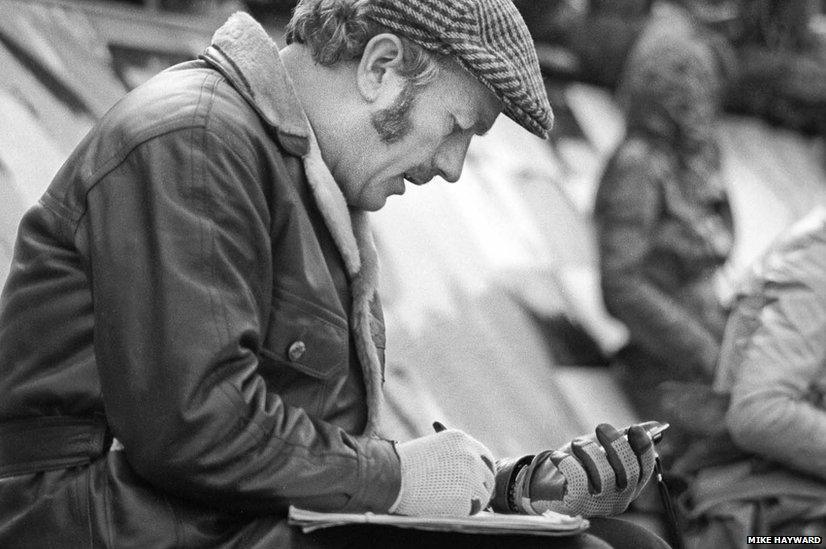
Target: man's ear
{"x": 377, "y": 75}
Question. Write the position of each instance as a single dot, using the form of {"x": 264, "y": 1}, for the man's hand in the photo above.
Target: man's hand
{"x": 588, "y": 477}
{"x": 447, "y": 473}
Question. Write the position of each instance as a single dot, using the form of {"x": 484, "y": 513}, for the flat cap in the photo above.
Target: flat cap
{"x": 488, "y": 38}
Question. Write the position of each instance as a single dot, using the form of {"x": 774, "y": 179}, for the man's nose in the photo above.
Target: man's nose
{"x": 450, "y": 158}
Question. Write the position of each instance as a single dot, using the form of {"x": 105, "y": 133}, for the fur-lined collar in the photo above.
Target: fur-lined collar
{"x": 245, "y": 54}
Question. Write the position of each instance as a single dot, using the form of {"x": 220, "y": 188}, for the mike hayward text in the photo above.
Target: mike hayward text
{"x": 784, "y": 540}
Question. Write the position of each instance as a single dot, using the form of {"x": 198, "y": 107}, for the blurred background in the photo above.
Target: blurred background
{"x": 495, "y": 317}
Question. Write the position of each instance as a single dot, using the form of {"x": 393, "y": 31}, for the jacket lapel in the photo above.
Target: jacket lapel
{"x": 364, "y": 289}
{"x": 244, "y": 53}
{"x": 351, "y": 232}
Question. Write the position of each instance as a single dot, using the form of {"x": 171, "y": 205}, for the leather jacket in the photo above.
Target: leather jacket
{"x": 180, "y": 279}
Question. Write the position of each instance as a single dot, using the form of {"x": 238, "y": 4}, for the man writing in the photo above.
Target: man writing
{"x": 190, "y": 335}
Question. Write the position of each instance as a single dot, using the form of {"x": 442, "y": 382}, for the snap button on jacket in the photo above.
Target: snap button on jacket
{"x": 296, "y": 350}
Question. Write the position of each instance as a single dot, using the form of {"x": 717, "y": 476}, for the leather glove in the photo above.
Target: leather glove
{"x": 588, "y": 477}
{"x": 446, "y": 473}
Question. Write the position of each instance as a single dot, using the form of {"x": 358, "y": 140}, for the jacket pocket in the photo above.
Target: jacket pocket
{"x": 305, "y": 347}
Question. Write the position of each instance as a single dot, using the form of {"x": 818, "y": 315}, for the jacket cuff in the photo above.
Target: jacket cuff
{"x": 379, "y": 476}
{"x": 506, "y": 470}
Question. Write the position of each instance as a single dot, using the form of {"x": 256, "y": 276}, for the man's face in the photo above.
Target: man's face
{"x": 424, "y": 133}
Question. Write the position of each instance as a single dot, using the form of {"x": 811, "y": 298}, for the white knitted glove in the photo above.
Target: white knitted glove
{"x": 446, "y": 473}
{"x": 586, "y": 478}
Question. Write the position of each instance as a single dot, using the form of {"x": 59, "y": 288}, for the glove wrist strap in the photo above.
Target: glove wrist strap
{"x": 514, "y": 486}
{"x": 522, "y": 503}
{"x": 505, "y": 497}
{"x": 524, "y": 489}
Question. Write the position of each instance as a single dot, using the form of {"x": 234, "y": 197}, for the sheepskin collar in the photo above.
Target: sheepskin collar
{"x": 245, "y": 54}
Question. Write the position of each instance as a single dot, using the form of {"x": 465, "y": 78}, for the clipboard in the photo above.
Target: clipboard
{"x": 484, "y": 522}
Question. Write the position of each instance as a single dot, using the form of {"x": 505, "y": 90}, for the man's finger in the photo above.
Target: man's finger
{"x": 488, "y": 463}
{"x": 643, "y": 447}
{"x": 601, "y": 477}
{"x": 639, "y": 439}
{"x": 620, "y": 455}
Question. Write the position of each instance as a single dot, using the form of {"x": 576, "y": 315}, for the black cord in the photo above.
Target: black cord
{"x": 671, "y": 514}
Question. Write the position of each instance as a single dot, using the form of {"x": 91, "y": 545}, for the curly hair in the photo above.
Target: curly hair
{"x": 338, "y": 30}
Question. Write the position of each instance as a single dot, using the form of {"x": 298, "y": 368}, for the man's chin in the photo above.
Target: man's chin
{"x": 373, "y": 204}
{"x": 374, "y": 197}
{"x": 375, "y": 207}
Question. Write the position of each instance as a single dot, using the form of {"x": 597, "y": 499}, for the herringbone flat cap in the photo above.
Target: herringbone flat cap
{"x": 486, "y": 37}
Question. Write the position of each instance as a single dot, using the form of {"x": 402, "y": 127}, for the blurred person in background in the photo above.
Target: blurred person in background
{"x": 591, "y": 39}
{"x": 763, "y": 472}
{"x": 779, "y": 49}
{"x": 781, "y": 57}
{"x": 191, "y": 338}
{"x": 662, "y": 214}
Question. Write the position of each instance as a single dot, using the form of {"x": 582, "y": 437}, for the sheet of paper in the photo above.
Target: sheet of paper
{"x": 548, "y": 524}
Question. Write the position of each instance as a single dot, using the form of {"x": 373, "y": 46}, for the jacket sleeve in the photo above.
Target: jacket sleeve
{"x": 178, "y": 238}
{"x": 777, "y": 408}
{"x": 628, "y": 206}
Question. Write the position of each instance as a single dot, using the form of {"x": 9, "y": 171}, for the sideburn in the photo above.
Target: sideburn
{"x": 393, "y": 123}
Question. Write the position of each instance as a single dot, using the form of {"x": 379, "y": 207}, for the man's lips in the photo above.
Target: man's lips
{"x": 417, "y": 180}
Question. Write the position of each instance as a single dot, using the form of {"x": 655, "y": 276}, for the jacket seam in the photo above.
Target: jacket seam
{"x": 309, "y": 307}
{"x": 188, "y": 127}
{"x": 175, "y": 521}
{"x": 116, "y": 161}
{"x": 117, "y": 158}
{"x": 51, "y": 203}
{"x": 207, "y": 231}
{"x": 88, "y": 496}
{"x": 107, "y": 498}
{"x": 269, "y": 434}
